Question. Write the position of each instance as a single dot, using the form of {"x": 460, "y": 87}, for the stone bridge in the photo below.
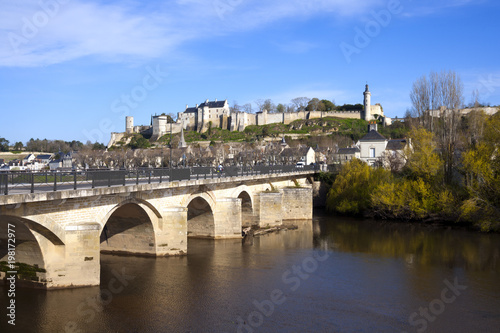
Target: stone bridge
{"x": 59, "y": 235}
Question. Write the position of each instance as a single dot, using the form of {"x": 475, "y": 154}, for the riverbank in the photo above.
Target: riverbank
{"x": 427, "y": 224}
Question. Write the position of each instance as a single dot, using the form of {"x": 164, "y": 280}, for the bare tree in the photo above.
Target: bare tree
{"x": 236, "y": 107}
{"x": 260, "y": 104}
{"x": 266, "y": 104}
{"x": 300, "y": 103}
{"x": 442, "y": 93}
{"x": 247, "y": 108}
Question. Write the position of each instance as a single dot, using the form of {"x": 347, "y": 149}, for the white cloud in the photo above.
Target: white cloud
{"x": 124, "y": 31}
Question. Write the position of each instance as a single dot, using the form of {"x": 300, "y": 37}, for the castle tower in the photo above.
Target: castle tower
{"x": 129, "y": 124}
{"x": 366, "y": 103}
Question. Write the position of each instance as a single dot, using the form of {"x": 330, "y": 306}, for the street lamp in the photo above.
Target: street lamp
{"x": 170, "y": 166}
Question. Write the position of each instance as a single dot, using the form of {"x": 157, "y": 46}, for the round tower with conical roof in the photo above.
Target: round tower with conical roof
{"x": 366, "y": 103}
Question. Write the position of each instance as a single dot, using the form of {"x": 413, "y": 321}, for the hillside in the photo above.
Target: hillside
{"x": 308, "y": 131}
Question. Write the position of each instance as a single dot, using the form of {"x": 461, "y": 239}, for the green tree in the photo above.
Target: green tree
{"x": 482, "y": 173}
{"x": 98, "y": 146}
{"x": 422, "y": 160}
{"x": 209, "y": 131}
{"x": 350, "y": 192}
{"x": 329, "y": 106}
{"x": 4, "y": 144}
{"x": 18, "y": 145}
{"x": 315, "y": 105}
{"x": 139, "y": 142}
{"x": 280, "y": 108}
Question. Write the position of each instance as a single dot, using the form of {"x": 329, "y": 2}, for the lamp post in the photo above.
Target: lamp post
{"x": 170, "y": 162}
{"x": 170, "y": 145}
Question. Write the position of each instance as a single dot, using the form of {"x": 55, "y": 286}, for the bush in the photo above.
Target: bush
{"x": 350, "y": 192}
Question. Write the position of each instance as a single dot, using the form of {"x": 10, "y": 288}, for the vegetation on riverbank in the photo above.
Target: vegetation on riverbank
{"x": 421, "y": 191}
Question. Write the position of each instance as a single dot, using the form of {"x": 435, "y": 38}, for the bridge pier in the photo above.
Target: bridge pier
{"x": 171, "y": 236}
{"x": 268, "y": 206}
{"x": 297, "y": 203}
{"x": 227, "y": 218}
{"x": 81, "y": 266}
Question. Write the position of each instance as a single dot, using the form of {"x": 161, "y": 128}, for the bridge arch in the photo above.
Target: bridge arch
{"x": 244, "y": 193}
{"x": 42, "y": 224}
{"x": 33, "y": 244}
{"x": 200, "y": 216}
{"x": 130, "y": 227}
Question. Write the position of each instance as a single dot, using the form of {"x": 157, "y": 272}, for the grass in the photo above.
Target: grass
{"x": 24, "y": 271}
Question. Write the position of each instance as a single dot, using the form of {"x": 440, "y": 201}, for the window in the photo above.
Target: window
{"x": 372, "y": 152}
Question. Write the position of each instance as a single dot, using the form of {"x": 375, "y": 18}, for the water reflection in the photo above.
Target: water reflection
{"x": 418, "y": 245}
{"x": 376, "y": 276}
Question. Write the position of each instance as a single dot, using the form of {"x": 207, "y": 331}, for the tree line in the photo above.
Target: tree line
{"x": 49, "y": 146}
{"x": 452, "y": 169}
{"x": 295, "y": 105}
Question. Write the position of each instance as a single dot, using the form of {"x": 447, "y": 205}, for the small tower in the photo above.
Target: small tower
{"x": 366, "y": 104}
{"x": 129, "y": 124}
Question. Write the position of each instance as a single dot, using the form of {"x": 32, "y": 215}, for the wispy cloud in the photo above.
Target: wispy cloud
{"x": 128, "y": 31}
{"x": 429, "y": 7}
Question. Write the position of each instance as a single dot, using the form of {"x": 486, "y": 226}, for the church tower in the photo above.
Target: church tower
{"x": 366, "y": 104}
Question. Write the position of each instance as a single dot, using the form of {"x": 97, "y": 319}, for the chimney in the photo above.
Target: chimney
{"x": 372, "y": 126}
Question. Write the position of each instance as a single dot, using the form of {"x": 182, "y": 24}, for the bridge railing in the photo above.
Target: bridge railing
{"x": 14, "y": 182}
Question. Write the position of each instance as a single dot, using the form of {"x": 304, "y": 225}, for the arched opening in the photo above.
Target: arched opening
{"x": 247, "y": 218}
{"x": 19, "y": 246}
{"x": 200, "y": 219}
{"x": 128, "y": 231}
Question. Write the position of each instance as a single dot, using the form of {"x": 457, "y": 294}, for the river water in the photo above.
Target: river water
{"x": 334, "y": 274}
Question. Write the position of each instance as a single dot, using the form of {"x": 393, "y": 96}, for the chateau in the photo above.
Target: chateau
{"x": 217, "y": 114}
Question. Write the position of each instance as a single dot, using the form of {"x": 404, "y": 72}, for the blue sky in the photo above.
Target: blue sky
{"x": 73, "y": 69}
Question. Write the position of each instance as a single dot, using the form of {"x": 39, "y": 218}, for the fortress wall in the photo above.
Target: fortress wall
{"x": 292, "y": 116}
{"x": 274, "y": 118}
{"x": 115, "y": 137}
{"x": 488, "y": 110}
{"x": 344, "y": 114}
{"x": 315, "y": 114}
{"x": 376, "y": 109}
{"x": 261, "y": 118}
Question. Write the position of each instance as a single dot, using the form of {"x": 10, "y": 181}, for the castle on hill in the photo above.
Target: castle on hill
{"x": 217, "y": 114}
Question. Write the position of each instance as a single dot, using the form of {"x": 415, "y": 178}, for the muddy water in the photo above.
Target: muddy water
{"x": 332, "y": 275}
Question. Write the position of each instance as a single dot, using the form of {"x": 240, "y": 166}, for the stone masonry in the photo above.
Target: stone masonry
{"x": 63, "y": 233}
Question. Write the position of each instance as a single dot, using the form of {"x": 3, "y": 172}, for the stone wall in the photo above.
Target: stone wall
{"x": 269, "y": 207}
{"x": 65, "y": 231}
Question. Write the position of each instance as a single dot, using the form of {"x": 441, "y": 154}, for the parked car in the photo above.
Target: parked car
{"x": 300, "y": 165}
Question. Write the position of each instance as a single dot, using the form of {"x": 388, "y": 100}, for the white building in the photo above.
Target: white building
{"x": 375, "y": 148}
{"x": 210, "y": 113}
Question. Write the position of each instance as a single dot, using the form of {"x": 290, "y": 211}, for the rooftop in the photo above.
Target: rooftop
{"x": 348, "y": 150}
{"x": 373, "y": 136}
{"x": 396, "y": 144}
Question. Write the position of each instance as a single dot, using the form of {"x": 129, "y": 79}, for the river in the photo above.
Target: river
{"x": 334, "y": 274}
